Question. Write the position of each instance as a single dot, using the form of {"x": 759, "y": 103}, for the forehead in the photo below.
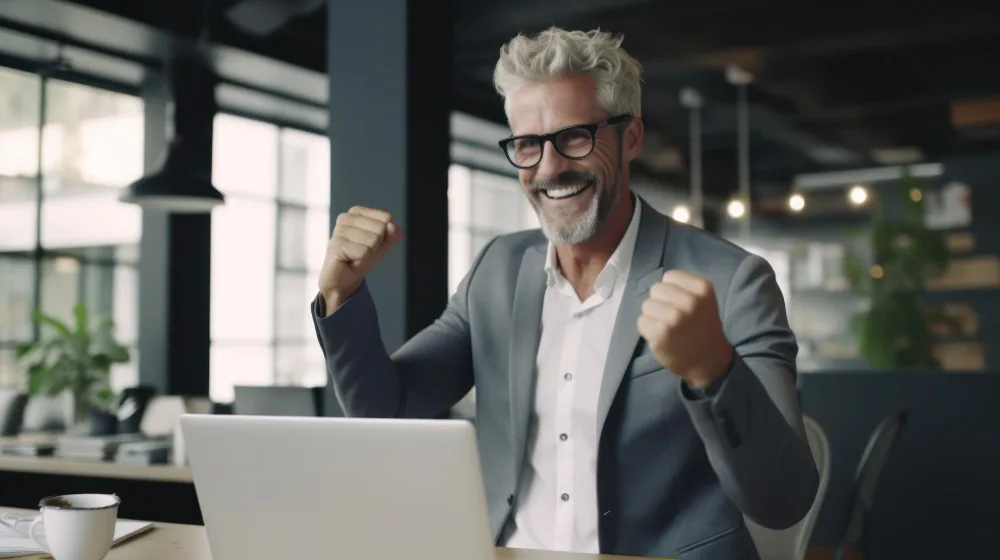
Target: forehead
{"x": 552, "y": 104}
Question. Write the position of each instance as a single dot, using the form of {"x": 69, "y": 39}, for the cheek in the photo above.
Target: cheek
{"x": 526, "y": 176}
{"x": 606, "y": 163}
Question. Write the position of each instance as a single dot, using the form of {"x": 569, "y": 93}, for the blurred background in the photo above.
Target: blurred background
{"x": 854, "y": 145}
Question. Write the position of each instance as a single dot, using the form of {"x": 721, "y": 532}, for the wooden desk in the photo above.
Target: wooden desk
{"x": 167, "y": 541}
{"x": 99, "y": 469}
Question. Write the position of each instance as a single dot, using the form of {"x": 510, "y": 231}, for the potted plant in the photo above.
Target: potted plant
{"x": 897, "y": 328}
{"x": 77, "y": 359}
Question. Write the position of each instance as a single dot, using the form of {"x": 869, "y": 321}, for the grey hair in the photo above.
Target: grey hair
{"x": 555, "y": 53}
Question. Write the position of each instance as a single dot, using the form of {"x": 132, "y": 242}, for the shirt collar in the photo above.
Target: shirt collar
{"x": 619, "y": 263}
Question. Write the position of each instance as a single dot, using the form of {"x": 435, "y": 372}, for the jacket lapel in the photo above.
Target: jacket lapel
{"x": 645, "y": 271}
{"x": 525, "y": 336}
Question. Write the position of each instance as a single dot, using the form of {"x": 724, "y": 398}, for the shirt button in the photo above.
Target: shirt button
{"x": 568, "y": 377}
{"x": 564, "y": 497}
{"x": 563, "y": 437}
{"x": 510, "y": 499}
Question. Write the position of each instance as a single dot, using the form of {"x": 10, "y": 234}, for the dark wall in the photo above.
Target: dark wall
{"x": 939, "y": 495}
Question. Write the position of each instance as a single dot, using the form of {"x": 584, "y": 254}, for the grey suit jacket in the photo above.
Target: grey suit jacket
{"x": 676, "y": 473}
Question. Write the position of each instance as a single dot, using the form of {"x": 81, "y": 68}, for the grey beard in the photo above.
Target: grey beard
{"x": 575, "y": 232}
{"x": 572, "y": 232}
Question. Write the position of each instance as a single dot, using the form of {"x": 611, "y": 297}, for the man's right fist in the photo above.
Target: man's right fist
{"x": 360, "y": 240}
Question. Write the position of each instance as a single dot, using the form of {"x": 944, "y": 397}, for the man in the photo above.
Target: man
{"x": 635, "y": 378}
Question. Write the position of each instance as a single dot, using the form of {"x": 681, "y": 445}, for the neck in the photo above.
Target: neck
{"x": 580, "y": 264}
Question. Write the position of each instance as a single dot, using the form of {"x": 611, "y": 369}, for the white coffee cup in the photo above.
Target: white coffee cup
{"x": 76, "y": 526}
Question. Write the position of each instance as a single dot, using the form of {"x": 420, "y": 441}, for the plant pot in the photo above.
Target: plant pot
{"x": 103, "y": 423}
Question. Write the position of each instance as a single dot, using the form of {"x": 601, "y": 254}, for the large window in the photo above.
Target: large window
{"x": 481, "y": 206}
{"x": 268, "y": 243}
{"x": 66, "y": 150}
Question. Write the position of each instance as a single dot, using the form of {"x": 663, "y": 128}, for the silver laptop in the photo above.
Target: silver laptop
{"x": 282, "y": 487}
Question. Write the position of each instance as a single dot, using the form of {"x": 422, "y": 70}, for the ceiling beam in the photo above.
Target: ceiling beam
{"x": 478, "y": 21}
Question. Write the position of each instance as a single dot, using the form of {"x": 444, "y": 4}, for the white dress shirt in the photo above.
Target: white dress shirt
{"x": 557, "y": 495}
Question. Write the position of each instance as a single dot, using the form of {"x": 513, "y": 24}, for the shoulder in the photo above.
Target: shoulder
{"x": 511, "y": 247}
{"x": 709, "y": 255}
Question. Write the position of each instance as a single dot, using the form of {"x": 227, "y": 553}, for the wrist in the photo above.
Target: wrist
{"x": 333, "y": 300}
{"x": 704, "y": 375}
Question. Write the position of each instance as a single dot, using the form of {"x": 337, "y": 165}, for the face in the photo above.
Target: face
{"x": 572, "y": 197}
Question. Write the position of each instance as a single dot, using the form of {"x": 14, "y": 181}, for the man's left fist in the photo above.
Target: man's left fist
{"x": 680, "y": 321}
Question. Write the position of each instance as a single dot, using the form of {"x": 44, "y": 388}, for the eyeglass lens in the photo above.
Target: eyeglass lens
{"x": 572, "y": 143}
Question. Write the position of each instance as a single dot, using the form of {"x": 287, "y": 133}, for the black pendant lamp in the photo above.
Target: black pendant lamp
{"x": 183, "y": 184}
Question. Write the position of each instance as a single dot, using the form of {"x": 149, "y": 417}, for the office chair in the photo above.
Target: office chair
{"x": 251, "y": 400}
{"x": 12, "y": 404}
{"x": 791, "y": 543}
{"x": 43, "y": 413}
{"x": 880, "y": 444}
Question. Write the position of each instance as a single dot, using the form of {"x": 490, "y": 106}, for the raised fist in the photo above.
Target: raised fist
{"x": 360, "y": 240}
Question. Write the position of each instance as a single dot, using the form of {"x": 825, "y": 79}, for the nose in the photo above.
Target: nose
{"x": 553, "y": 163}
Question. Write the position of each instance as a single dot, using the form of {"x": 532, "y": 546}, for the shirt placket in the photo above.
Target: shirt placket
{"x": 565, "y": 504}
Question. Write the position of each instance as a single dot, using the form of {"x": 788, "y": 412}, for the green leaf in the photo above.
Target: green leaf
{"x": 26, "y": 349}
{"x": 80, "y": 314}
{"x": 56, "y": 324}
{"x": 77, "y": 359}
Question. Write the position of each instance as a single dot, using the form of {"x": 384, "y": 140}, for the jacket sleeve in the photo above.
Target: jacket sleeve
{"x": 423, "y": 379}
{"x": 752, "y": 425}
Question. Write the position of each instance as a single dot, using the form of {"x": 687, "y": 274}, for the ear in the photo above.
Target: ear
{"x": 632, "y": 139}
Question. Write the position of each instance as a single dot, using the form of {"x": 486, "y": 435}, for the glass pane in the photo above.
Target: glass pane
{"x": 111, "y": 290}
{"x": 243, "y": 237}
{"x": 238, "y": 365}
{"x": 294, "y": 296}
{"x": 245, "y": 156}
{"x": 124, "y": 254}
{"x": 92, "y": 146}
{"x": 318, "y": 230}
{"x": 19, "y": 113}
{"x": 304, "y": 236}
{"x": 301, "y": 364}
{"x": 497, "y": 203}
{"x": 305, "y": 168}
{"x": 92, "y": 137}
{"x": 126, "y": 375}
{"x": 17, "y": 293}
{"x": 60, "y": 287}
{"x": 459, "y": 197}
{"x": 86, "y": 217}
{"x": 292, "y": 237}
{"x": 12, "y": 373}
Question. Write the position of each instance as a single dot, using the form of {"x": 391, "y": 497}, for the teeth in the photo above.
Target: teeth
{"x": 564, "y": 192}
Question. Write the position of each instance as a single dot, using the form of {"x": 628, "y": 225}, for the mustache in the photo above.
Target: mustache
{"x": 569, "y": 178}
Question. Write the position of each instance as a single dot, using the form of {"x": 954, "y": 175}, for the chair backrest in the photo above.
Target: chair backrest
{"x": 274, "y": 401}
{"x": 870, "y": 468}
{"x": 48, "y": 414}
{"x": 12, "y": 404}
{"x": 791, "y": 543}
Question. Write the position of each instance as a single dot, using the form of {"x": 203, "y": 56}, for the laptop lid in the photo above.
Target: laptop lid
{"x": 283, "y": 487}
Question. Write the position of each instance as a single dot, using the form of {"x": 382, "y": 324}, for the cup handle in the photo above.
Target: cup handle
{"x": 13, "y": 521}
{"x": 35, "y": 526}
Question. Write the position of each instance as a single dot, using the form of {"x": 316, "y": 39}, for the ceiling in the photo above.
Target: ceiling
{"x": 837, "y": 85}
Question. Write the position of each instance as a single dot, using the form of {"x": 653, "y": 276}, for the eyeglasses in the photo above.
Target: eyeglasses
{"x": 573, "y": 142}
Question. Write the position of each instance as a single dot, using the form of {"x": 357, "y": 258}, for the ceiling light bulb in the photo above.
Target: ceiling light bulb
{"x": 736, "y": 209}
{"x": 796, "y": 202}
{"x": 681, "y": 214}
{"x": 858, "y": 195}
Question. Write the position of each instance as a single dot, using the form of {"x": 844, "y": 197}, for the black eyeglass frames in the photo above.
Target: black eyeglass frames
{"x": 573, "y": 142}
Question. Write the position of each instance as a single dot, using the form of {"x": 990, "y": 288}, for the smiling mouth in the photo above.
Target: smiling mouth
{"x": 563, "y": 193}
